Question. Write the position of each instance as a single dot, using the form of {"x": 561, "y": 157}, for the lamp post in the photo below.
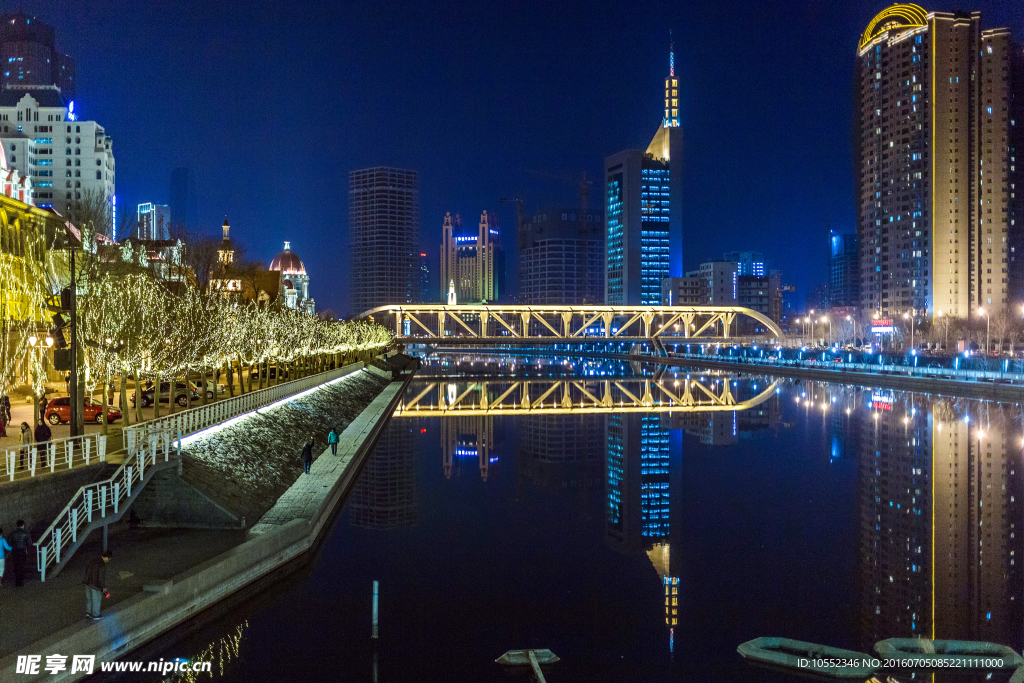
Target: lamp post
{"x": 40, "y": 345}
{"x": 850, "y": 318}
{"x": 910, "y": 315}
{"x": 825, "y": 319}
{"x": 811, "y": 321}
{"x": 988, "y": 329}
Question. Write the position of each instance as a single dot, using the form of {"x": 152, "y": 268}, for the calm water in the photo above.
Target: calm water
{"x": 646, "y": 545}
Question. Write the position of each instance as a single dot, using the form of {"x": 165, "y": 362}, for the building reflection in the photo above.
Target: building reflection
{"x": 940, "y": 505}
{"x": 467, "y": 439}
{"x": 561, "y": 451}
{"x": 385, "y": 494}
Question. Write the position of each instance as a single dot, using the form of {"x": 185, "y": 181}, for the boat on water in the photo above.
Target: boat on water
{"x": 808, "y": 658}
{"x": 961, "y": 654}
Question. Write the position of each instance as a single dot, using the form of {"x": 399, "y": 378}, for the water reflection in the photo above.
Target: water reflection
{"x": 938, "y": 487}
{"x": 384, "y": 496}
{"x": 220, "y": 653}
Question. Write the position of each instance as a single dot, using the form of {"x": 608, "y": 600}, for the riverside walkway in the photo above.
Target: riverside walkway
{"x": 159, "y": 578}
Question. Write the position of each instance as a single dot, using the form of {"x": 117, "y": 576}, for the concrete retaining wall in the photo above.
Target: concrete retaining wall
{"x": 165, "y": 606}
{"x": 40, "y": 499}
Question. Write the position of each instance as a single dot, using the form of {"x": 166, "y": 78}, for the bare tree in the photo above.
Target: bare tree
{"x": 200, "y": 253}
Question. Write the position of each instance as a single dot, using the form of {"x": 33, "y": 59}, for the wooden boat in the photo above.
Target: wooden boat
{"x": 522, "y": 657}
{"x": 808, "y": 658}
{"x": 959, "y": 654}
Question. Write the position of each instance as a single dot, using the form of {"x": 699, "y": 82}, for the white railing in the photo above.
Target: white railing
{"x": 44, "y": 456}
{"x": 197, "y": 419}
{"x": 99, "y": 499}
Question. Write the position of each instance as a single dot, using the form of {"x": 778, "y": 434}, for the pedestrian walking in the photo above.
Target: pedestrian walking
{"x": 307, "y": 456}
{"x": 3, "y": 425}
{"x": 26, "y": 439}
{"x": 19, "y": 542}
{"x": 332, "y": 439}
{"x": 110, "y": 398}
{"x": 5, "y": 549}
{"x": 43, "y": 435}
{"x": 96, "y": 584}
{"x": 5, "y": 405}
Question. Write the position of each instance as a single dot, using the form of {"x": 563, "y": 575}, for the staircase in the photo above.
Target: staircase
{"x": 103, "y": 502}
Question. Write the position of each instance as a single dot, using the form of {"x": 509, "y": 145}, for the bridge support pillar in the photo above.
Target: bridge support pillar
{"x": 525, "y": 315}
{"x": 727, "y": 319}
{"x": 648, "y": 318}
{"x": 566, "y": 320}
{"x": 398, "y": 323}
{"x": 440, "y": 323}
{"x": 483, "y": 323}
{"x": 607, "y": 319}
{"x": 687, "y": 319}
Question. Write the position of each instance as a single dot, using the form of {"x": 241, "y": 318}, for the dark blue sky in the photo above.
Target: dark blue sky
{"x": 273, "y": 104}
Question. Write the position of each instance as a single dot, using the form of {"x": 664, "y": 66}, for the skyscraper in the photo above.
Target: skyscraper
{"x": 938, "y": 128}
{"x": 426, "y": 293}
{"x": 747, "y": 262}
{"x": 29, "y": 55}
{"x": 384, "y": 225}
{"x": 643, "y": 210}
{"x": 473, "y": 259}
{"x": 843, "y": 271}
{"x": 71, "y": 162}
{"x": 184, "y": 201}
{"x": 154, "y": 222}
{"x": 561, "y": 257}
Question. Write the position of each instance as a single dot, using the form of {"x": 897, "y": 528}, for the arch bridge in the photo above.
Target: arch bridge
{"x": 506, "y": 324}
{"x": 581, "y": 395}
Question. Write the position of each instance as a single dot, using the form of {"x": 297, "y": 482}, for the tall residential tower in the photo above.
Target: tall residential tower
{"x": 384, "y": 225}
{"x": 30, "y": 57}
{"x": 937, "y": 132}
{"x": 643, "y": 210}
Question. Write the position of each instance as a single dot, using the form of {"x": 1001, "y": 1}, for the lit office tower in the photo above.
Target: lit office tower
{"x": 643, "y": 210}
{"x": 843, "y": 270}
{"x": 154, "y": 222}
{"x": 29, "y": 55}
{"x": 937, "y": 133}
{"x": 472, "y": 259}
{"x": 384, "y": 226}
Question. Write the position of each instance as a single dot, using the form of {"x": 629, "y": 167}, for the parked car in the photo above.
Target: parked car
{"x": 59, "y": 411}
{"x": 165, "y": 390}
{"x": 211, "y": 388}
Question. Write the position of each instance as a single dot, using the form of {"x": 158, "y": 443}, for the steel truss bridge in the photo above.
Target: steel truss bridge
{"x": 497, "y": 324}
{"x": 579, "y": 395}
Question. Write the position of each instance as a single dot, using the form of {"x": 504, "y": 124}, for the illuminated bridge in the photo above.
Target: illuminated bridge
{"x": 581, "y": 395}
{"x": 499, "y": 324}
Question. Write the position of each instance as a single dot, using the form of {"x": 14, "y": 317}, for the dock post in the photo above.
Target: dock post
{"x": 376, "y": 587}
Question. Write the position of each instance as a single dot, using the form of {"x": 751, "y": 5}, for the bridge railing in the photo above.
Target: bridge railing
{"x": 197, "y": 419}
{"x": 55, "y": 455}
{"x": 100, "y": 499}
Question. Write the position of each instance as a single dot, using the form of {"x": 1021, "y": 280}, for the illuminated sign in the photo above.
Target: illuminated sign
{"x": 72, "y": 116}
{"x": 881, "y": 326}
{"x": 879, "y": 402}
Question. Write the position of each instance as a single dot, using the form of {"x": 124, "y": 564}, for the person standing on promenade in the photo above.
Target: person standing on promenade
{"x": 95, "y": 584}
{"x": 5, "y": 550}
{"x": 19, "y": 542}
{"x": 43, "y": 435}
{"x": 26, "y": 439}
{"x": 307, "y": 456}
{"x": 332, "y": 439}
{"x": 5, "y": 405}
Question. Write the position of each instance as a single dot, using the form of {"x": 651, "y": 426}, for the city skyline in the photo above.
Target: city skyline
{"x": 768, "y": 140}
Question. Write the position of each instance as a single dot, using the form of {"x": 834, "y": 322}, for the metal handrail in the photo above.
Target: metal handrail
{"x": 86, "y": 444}
{"x": 98, "y": 497}
{"x": 196, "y": 419}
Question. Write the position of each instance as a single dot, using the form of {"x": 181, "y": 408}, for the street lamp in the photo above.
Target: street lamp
{"x": 910, "y": 315}
{"x": 988, "y": 329}
{"x": 850, "y": 318}
{"x": 825, "y": 319}
{"x": 40, "y": 345}
{"x": 811, "y": 321}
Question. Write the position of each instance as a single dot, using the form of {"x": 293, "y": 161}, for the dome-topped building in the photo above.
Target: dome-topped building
{"x": 295, "y": 279}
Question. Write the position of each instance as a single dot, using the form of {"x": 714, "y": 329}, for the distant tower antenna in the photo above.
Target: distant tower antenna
{"x": 671, "y": 56}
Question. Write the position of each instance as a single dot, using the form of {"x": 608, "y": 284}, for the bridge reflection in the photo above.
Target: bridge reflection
{"x": 582, "y": 395}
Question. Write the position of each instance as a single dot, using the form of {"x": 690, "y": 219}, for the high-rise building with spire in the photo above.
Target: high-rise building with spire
{"x": 643, "y": 210}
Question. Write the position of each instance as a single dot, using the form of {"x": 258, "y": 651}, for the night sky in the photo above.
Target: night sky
{"x": 273, "y": 104}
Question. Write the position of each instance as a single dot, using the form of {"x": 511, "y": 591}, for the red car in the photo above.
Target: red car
{"x": 59, "y": 410}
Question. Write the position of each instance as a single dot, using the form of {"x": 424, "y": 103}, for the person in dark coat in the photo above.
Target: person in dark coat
{"x": 43, "y": 435}
{"x": 5, "y": 405}
{"x": 26, "y": 439}
{"x": 95, "y": 584}
{"x": 20, "y": 541}
{"x": 307, "y": 456}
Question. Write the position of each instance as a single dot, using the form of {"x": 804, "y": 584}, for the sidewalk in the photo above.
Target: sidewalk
{"x": 141, "y": 556}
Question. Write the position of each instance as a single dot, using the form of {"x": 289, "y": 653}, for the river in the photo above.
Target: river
{"x": 645, "y": 543}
